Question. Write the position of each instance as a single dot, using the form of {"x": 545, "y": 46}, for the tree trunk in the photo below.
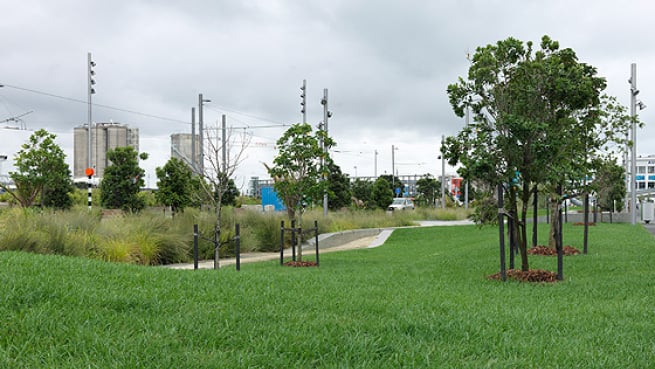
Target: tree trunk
{"x": 299, "y": 238}
{"x": 553, "y": 233}
{"x": 522, "y": 227}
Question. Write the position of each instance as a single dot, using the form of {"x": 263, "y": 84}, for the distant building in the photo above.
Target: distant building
{"x": 182, "y": 148}
{"x": 645, "y": 177}
{"x": 104, "y": 137}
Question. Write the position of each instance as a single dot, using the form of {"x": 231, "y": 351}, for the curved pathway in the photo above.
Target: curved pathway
{"x": 365, "y": 241}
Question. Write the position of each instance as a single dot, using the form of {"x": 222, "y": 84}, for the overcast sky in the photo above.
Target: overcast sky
{"x": 386, "y": 65}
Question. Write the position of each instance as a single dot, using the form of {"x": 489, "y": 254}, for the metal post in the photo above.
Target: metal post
{"x": 534, "y": 217}
{"x": 559, "y": 240}
{"x": 216, "y": 250}
{"x": 512, "y": 242}
{"x": 282, "y": 242}
{"x": 375, "y": 164}
{"x": 326, "y": 116}
{"x": 293, "y": 240}
{"x": 195, "y": 246}
{"x": 237, "y": 246}
{"x": 91, "y": 91}
{"x": 633, "y": 149}
{"x": 393, "y": 170}
{"x": 586, "y": 222}
{"x": 501, "y": 232}
{"x": 194, "y": 165}
{"x": 466, "y": 195}
{"x": 90, "y": 194}
{"x": 201, "y": 133}
{"x": 443, "y": 174}
{"x": 224, "y": 148}
{"x": 316, "y": 239}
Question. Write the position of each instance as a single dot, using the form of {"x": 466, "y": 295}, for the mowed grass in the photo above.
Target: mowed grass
{"x": 421, "y": 300}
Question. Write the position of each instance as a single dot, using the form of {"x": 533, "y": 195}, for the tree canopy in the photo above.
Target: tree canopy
{"x": 300, "y": 166}
{"x": 122, "y": 180}
{"x": 174, "y": 184}
{"x": 538, "y": 116}
{"x": 42, "y": 169}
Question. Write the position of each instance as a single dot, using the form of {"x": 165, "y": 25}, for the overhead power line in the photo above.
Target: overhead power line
{"x": 94, "y": 104}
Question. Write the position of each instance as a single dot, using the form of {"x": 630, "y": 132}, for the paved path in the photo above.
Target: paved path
{"x": 367, "y": 241}
{"x": 650, "y": 227}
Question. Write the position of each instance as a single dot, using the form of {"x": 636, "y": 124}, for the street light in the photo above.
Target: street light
{"x": 393, "y": 167}
{"x": 201, "y": 134}
{"x": 633, "y": 152}
{"x": 355, "y": 171}
{"x": 443, "y": 174}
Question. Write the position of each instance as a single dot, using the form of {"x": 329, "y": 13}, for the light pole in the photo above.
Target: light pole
{"x": 89, "y": 169}
{"x": 633, "y": 150}
{"x": 327, "y": 114}
{"x": 201, "y": 133}
{"x": 375, "y": 164}
{"x": 393, "y": 168}
{"x": 443, "y": 174}
{"x": 355, "y": 171}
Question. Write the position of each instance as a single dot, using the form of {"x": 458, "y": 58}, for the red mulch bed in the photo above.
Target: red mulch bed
{"x": 296, "y": 264}
{"x": 534, "y": 275}
{"x": 591, "y": 224}
{"x": 547, "y": 251}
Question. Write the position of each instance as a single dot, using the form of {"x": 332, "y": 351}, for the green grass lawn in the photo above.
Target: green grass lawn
{"x": 421, "y": 300}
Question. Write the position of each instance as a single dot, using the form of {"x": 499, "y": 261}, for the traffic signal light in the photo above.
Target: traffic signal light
{"x": 303, "y": 96}
{"x": 92, "y": 73}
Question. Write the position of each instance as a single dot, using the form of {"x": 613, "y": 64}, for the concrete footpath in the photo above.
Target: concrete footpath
{"x": 329, "y": 242}
{"x": 650, "y": 227}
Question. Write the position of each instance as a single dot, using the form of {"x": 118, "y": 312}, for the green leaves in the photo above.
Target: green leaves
{"x": 42, "y": 169}
{"x": 174, "y": 184}
{"x": 122, "y": 180}
{"x": 300, "y": 165}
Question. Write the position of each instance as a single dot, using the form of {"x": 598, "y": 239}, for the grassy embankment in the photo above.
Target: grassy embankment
{"x": 420, "y": 300}
{"x": 154, "y": 237}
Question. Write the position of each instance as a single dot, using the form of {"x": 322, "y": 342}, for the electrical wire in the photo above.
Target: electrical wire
{"x": 95, "y": 104}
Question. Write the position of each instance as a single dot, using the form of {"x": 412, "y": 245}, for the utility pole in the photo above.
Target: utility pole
{"x": 443, "y": 174}
{"x": 633, "y": 152}
{"x": 393, "y": 169}
{"x": 303, "y": 101}
{"x": 633, "y": 149}
{"x": 194, "y": 164}
{"x": 326, "y": 116}
{"x": 375, "y": 165}
{"x": 224, "y": 148}
{"x": 201, "y": 133}
{"x": 91, "y": 81}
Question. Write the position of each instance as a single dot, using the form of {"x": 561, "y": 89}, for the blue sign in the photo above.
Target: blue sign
{"x": 269, "y": 197}
{"x": 397, "y": 191}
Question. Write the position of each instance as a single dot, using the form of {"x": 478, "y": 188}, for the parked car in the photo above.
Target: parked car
{"x": 401, "y": 203}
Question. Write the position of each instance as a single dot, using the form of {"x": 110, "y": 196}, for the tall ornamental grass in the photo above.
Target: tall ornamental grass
{"x": 155, "y": 237}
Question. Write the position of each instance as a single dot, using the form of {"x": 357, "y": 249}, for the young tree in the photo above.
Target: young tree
{"x": 339, "y": 192}
{"x": 381, "y": 193}
{"x": 174, "y": 185}
{"x": 123, "y": 180}
{"x": 299, "y": 167}
{"x": 394, "y": 183}
{"x": 224, "y": 152}
{"x": 361, "y": 191}
{"x": 609, "y": 184}
{"x": 41, "y": 169}
{"x": 428, "y": 189}
{"x": 531, "y": 112}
